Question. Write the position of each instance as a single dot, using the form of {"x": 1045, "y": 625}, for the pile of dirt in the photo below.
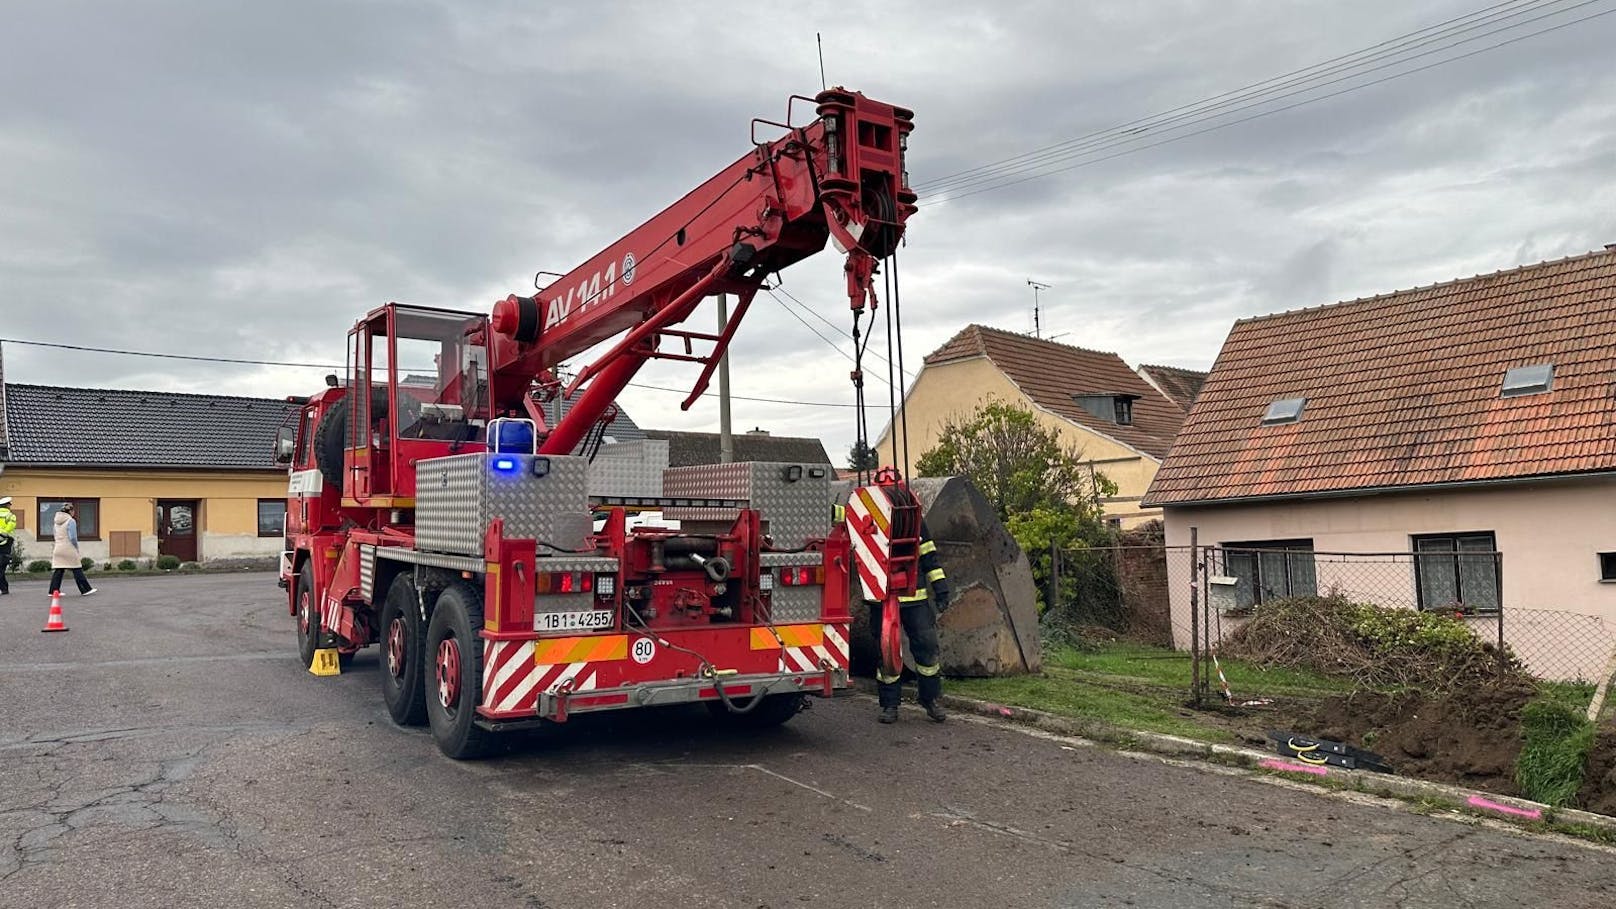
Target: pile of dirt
{"x": 1598, "y": 792}
{"x": 1471, "y": 738}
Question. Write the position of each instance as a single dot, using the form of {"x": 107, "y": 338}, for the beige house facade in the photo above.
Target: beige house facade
{"x": 1091, "y": 399}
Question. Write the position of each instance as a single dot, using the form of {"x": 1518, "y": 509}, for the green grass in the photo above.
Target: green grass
{"x": 1137, "y": 686}
{"x": 1558, "y": 737}
{"x": 1171, "y": 668}
{"x": 1062, "y": 693}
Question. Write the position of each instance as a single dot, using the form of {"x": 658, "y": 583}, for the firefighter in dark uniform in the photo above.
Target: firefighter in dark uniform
{"x": 919, "y": 620}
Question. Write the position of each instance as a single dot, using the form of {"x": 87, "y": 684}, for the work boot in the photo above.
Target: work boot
{"x": 889, "y": 714}
{"x": 935, "y": 711}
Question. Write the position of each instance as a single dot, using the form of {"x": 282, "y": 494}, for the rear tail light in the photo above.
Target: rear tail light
{"x": 564, "y": 582}
{"x": 802, "y": 577}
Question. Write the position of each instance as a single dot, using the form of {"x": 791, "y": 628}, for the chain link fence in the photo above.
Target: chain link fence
{"x": 1197, "y": 599}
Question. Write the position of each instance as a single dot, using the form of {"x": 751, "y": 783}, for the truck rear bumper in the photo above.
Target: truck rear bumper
{"x": 557, "y": 706}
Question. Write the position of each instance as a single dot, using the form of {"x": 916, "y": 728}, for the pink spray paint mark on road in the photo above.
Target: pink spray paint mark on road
{"x": 1531, "y": 814}
{"x": 1272, "y": 764}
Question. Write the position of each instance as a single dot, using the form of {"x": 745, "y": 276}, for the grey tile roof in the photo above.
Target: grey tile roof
{"x": 686, "y": 449}
{"x": 621, "y": 429}
{"x": 93, "y": 427}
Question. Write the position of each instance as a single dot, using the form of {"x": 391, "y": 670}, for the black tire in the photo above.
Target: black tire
{"x": 330, "y": 439}
{"x": 307, "y": 615}
{"x": 776, "y": 710}
{"x": 403, "y": 681}
{"x": 451, "y": 703}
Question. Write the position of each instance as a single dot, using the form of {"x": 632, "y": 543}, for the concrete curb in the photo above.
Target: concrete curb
{"x": 1519, "y": 811}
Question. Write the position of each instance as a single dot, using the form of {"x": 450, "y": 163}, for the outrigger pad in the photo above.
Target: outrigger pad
{"x": 1320, "y": 751}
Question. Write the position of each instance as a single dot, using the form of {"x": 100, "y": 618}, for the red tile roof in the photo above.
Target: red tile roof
{"x": 1182, "y": 385}
{"x": 1050, "y": 374}
{"x": 1403, "y": 390}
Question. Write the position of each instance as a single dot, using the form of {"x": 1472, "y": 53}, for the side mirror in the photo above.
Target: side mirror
{"x": 285, "y": 445}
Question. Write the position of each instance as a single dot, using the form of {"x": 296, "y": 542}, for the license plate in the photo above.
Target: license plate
{"x": 573, "y": 621}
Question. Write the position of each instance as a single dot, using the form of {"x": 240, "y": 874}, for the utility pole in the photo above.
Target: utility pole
{"x": 1037, "y": 329}
{"x": 726, "y": 442}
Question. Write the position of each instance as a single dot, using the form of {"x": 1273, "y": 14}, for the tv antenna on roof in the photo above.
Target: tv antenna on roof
{"x": 1037, "y": 329}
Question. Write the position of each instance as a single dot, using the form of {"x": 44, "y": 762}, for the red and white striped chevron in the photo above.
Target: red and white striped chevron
{"x": 869, "y": 517}
{"x": 807, "y": 659}
{"x": 511, "y": 681}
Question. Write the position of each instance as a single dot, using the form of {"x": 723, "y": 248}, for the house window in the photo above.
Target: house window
{"x": 271, "y": 517}
{"x": 1457, "y": 572}
{"x": 1270, "y": 570}
{"x": 89, "y": 517}
{"x": 1124, "y": 410}
{"x": 1607, "y": 567}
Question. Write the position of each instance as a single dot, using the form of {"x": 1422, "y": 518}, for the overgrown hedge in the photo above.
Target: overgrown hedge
{"x": 1377, "y": 647}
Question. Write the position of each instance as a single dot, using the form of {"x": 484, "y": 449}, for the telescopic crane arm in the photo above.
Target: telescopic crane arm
{"x": 840, "y": 177}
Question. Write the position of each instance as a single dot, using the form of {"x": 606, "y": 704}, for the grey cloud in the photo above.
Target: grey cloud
{"x": 246, "y": 181}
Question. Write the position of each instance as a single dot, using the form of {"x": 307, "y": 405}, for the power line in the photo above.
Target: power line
{"x": 1132, "y": 127}
{"x": 166, "y": 356}
{"x": 833, "y": 326}
{"x": 327, "y": 366}
{"x": 987, "y": 184}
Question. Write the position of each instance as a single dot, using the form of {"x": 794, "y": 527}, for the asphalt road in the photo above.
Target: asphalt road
{"x": 168, "y": 751}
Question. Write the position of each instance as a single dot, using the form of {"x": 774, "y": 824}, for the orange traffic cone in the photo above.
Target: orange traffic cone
{"x": 53, "y": 622}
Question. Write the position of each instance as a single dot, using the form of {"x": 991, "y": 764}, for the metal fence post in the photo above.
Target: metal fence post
{"x": 1195, "y": 616}
{"x": 1052, "y": 594}
{"x": 1498, "y": 578}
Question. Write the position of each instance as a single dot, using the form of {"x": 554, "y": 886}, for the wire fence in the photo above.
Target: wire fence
{"x": 1199, "y": 598}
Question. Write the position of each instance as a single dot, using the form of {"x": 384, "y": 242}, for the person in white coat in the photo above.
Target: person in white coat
{"x": 65, "y": 556}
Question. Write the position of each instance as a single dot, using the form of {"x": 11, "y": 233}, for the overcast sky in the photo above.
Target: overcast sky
{"x": 244, "y": 180}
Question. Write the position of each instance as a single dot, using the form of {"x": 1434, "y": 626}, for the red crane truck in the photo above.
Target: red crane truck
{"x": 435, "y": 511}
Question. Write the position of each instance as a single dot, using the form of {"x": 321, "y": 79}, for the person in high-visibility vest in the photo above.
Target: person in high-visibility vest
{"x": 919, "y": 621}
{"x": 8, "y": 532}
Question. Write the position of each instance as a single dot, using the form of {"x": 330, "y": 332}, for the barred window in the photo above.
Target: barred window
{"x": 1457, "y": 572}
{"x": 1270, "y": 570}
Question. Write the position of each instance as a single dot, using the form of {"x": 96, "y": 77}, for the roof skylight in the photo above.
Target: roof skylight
{"x": 1284, "y": 410}
{"x": 1528, "y": 380}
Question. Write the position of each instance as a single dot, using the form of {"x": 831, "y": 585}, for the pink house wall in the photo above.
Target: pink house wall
{"x": 1559, "y": 616}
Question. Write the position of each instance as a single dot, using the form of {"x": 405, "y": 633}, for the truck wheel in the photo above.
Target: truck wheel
{"x": 403, "y": 687}
{"x": 330, "y": 438}
{"x": 308, "y": 617}
{"x": 455, "y": 681}
{"x": 775, "y": 710}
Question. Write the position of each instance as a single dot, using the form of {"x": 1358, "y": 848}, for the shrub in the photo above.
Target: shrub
{"x": 39, "y": 565}
{"x": 16, "y": 554}
{"x": 107, "y": 567}
{"x": 127, "y": 565}
{"x": 188, "y": 566}
{"x": 168, "y": 562}
{"x": 1378, "y": 647}
{"x": 86, "y": 563}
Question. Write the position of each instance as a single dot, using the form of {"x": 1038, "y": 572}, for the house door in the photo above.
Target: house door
{"x": 176, "y": 528}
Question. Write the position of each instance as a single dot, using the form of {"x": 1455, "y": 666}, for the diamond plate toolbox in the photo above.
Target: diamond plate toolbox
{"x": 793, "y": 498}
{"x": 629, "y": 469}
{"x": 456, "y": 498}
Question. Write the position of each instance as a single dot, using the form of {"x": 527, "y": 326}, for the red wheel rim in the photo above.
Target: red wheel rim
{"x": 449, "y": 674}
{"x": 305, "y": 615}
{"x": 395, "y": 647}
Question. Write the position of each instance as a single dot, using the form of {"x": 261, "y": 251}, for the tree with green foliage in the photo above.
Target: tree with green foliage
{"x": 1044, "y": 491}
{"x": 863, "y": 457}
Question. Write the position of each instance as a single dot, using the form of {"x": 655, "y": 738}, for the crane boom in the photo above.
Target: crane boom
{"x": 841, "y": 176}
